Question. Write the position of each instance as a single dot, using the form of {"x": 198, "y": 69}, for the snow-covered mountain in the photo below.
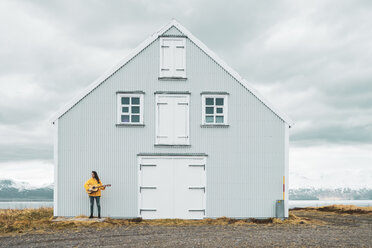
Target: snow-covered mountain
{"x": 330, "y": 194}
{"x": 352, "y": 179}
{"x": 11, "y": 190}
{"x": 6, "y": 183}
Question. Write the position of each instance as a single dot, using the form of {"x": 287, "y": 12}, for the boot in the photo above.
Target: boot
{"x": 99, "y": 216}
{"x": 91, "y": 216}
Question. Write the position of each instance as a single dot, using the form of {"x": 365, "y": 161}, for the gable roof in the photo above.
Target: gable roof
{"x": 172, "y": 28}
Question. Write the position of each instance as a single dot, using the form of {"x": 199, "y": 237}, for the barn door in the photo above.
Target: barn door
{"x": 172, "y": 187}
{"x": 172, "y": 119}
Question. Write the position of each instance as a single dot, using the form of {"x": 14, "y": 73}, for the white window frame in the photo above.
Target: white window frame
{"x": 119, "y": 95}
{"x": 161, "y": 73}
{"x": 224, "y": 106}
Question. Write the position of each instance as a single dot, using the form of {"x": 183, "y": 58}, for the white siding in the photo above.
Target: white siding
{"x": 55, "y": 192}
{"x": 173, "y": 31}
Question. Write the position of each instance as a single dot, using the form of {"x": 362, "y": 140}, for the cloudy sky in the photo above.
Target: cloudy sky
{"x": 312, "y": 59}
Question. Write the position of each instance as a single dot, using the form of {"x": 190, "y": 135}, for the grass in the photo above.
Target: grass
{"x": 346, "y": 209}
{"x": 19, "y": 221}
{"x": 341, "y": 209}
{"x": 14, "y": 221}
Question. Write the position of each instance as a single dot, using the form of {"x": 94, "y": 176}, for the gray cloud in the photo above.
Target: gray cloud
{"x": 310, "y": 58}
{"x": 18, "y": 152}
{"x": 335, "y": 134}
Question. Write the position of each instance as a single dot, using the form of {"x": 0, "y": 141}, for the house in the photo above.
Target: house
{"x": 178, "y": 134}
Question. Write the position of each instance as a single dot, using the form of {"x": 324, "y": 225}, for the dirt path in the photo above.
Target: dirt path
{"x": 340, "y": 231}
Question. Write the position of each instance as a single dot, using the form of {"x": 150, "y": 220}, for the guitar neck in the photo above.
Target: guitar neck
{"x": 106, "y": 185}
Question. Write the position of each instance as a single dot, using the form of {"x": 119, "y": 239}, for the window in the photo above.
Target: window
{"x": 214, "y": 109}
{"x": 130, "y": 109}
{"x": 172, "y": 119}
{"x": 172, "y": 57}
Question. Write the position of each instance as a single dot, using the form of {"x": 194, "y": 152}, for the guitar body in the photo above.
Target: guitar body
{"x": 95, "y": 188}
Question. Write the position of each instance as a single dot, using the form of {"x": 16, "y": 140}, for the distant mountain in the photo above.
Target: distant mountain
{"x": 20, "y": 191}
{"x": 330, "y": 194}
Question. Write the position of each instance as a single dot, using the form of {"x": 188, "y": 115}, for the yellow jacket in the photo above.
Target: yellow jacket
{"x": 92, "y": 182}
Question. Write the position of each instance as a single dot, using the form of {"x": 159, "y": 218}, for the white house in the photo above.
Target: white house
{"x": 178, "y": 134}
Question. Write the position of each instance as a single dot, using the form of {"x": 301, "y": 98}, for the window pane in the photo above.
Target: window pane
{"x": 209, "y": 119}
{"x": 219, "y": 101}
{"x": 209, "y": 110}
{"x": 219, "y": 119}
{"x": 209, "y": 101}
{"x": 125, "y": 100}
{"x": 125, "y": 109}
{"x": 135, "y": 100}
{"x": 219, "y": 110}
{"x": 125, "y": 118}
{"x": 135, "y": 110}
{"x": 135, "y": 118}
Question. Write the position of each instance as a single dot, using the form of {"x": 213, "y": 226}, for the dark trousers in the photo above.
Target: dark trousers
{"x": 91, "y": 198}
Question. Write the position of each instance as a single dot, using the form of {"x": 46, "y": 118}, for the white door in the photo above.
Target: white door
{"x": 172, "y": 187}
{"x": 172, "y": 119}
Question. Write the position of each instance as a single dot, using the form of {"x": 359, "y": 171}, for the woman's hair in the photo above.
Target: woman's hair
{"x": 96, "y": 176}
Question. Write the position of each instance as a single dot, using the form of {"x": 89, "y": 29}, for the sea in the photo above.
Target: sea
{"x": 292, "y": 204}
{"x": 25, "y": 204}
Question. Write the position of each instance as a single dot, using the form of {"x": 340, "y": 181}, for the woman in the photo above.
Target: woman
{"x": 94, "y": 181}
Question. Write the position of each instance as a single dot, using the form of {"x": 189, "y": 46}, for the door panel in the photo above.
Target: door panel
{"x": 167, "y": 58}
{"x": 159, "y": 199}
{"x": 196, "y": 198}
{"x": 165, "y": 121}
{"x": 179, "y": 58}
{"x": 196, "y": 215}
{"x": 147, "y": 174}
{"x": 181, "y": 129}
{"x": 188, "y": 177}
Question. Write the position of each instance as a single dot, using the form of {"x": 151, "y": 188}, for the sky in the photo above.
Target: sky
{"x": 311, "y": 59}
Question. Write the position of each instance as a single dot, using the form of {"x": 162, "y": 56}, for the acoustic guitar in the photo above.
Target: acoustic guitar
{"x": 95, "y": 188}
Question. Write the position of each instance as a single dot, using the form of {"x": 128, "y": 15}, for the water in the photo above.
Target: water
{"x": 292, "y": 204}
{"x": 317, "y": 203}
{"x": 25, "y": 204}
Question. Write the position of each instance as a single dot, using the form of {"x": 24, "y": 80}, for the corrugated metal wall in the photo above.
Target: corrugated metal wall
{"x": 173, "y": 31}
{"x": 246, "y": 161}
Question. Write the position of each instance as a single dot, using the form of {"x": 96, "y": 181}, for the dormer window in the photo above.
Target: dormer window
{"x": 172, "y": 57}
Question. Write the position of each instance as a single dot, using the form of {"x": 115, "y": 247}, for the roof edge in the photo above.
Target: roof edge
{"x": 146, "y": 43}
{"x": 110, "y": 72}
{"x": 234, "y": 74}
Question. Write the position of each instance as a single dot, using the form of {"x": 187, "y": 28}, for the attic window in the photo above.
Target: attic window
{"x": 172, "y": 57}
{"x": 129, "y": 109}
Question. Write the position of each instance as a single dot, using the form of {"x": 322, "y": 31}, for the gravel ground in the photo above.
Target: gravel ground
{"x": 340, "y": 231}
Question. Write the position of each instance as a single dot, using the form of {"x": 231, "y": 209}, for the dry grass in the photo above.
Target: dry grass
{"x": 346, "y": 209}
{"x": 34, "y": 220}
{"x": 40, "y": 220}
{"x": 19, "y": 221}
{"x": 340, "y": 209}
{"x": 295, "y": 220}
